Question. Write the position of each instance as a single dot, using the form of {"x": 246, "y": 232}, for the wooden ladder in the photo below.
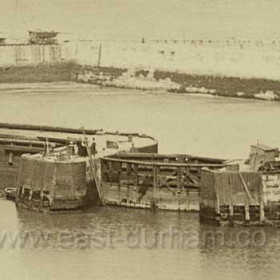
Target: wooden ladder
{"x": 93, "y": 171}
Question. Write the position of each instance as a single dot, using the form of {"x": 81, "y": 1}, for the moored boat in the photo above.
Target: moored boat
{"x": 19, "y": 139}
{"x": 52, "y": 182}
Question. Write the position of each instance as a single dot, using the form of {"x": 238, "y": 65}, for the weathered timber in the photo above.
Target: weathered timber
{"x": 152, "y": 184}
{"x": 48, "y": 128}
{"x": 231, "y": 197}
{"x": 183, "y": 158}
{"x": 22, "y": 149}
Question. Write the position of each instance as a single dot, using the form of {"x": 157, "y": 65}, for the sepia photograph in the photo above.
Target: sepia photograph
{"x": 139, "y": 139}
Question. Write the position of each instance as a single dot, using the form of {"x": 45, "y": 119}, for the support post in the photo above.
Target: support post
{"x": 155, "y": 185}
{"x": 187, "y": 174}
{"x": 136, "y": 181}
{"x": 247, "y": 213}
{"x": 10, "y": 158}
{"x": 128, "y": 172}
{"x": 179, "y": 178}
{"x": 119, "y": 180}
{"x": 230, "y": 207}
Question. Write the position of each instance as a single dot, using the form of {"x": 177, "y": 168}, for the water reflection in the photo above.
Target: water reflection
{"x": 184, "y": 249}
{"x": 187, "y": 248}
{"x": 234, "y": 250}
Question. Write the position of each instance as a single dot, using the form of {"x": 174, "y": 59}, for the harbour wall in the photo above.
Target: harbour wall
{"x": 232, "y": 58}
{"x": 235, "y": 68}
{"x": 32, "y": 55}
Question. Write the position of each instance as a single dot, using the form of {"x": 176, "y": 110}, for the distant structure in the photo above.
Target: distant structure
{"x": 260, "y": 154}
{"x": 2, "y": 41}
{"x": 42, "y": 37}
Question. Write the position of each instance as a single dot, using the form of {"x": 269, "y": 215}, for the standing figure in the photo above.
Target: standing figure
{"x": 93, "y": 147}
{"x": 84, "y": 152}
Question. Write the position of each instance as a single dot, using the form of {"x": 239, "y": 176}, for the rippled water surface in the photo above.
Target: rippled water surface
{"x": 115, "y": 243}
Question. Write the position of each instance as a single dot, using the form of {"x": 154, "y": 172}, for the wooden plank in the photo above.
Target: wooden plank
{"x": 21, "y": 141}
{"x": 155, "y": 185}
{"x": 48, "y": 128}
{"x": 165, "y": 156}
{"x": 23, "y": 149}
{"x": 246, "y": 189}
{"x": 149, "y": 163}
{"x": 14, "y": 136}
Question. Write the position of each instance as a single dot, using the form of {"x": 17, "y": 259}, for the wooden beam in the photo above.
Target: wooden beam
{"x": 164, "y": 156}
{"x": 149, "y": 163}
{"x": 155, "y": 185}
{"x": 48, "y": 128}
{"x": 22, "y": 149}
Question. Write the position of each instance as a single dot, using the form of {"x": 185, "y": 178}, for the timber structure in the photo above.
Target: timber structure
{"x": 18, "y": 144}
{"x": 153, "y": 181}
{"x": 249, "y": 195}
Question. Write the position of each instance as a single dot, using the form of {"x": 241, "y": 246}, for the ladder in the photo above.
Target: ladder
{"x": 93, "y": 171}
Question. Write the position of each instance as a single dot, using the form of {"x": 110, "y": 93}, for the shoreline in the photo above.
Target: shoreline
{"x": 71, "y": 76}
{"x": 72, "y": 87}
{"x": 181, "y": 83}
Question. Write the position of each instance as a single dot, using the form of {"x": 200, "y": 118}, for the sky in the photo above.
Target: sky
{"x": 128, "y": 19}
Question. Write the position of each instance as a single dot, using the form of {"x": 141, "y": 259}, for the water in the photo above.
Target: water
{"x": 109, "y": 243}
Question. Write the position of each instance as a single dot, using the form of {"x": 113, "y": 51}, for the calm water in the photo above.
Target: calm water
{"x": 115, "y": 243}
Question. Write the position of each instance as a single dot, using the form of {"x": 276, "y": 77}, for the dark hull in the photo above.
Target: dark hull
{"x": 14, "y": 142}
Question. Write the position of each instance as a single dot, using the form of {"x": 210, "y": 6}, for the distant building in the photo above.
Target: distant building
{"x": 42, "y": 37}
{"x": 2, "y": 41}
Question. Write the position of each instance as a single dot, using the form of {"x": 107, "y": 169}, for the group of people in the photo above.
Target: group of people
{"x": 82, "y": 148}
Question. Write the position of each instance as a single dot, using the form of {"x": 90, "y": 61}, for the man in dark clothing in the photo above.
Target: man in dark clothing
{"x": 82, "y": 149}
{"x": 93, "y": 147}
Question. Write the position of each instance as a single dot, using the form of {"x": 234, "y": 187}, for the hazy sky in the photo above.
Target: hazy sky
{"x": 149, "y": 18}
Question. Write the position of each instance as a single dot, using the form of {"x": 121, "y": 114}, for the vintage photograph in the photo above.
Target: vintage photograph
{"x": 139, "y": 139}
